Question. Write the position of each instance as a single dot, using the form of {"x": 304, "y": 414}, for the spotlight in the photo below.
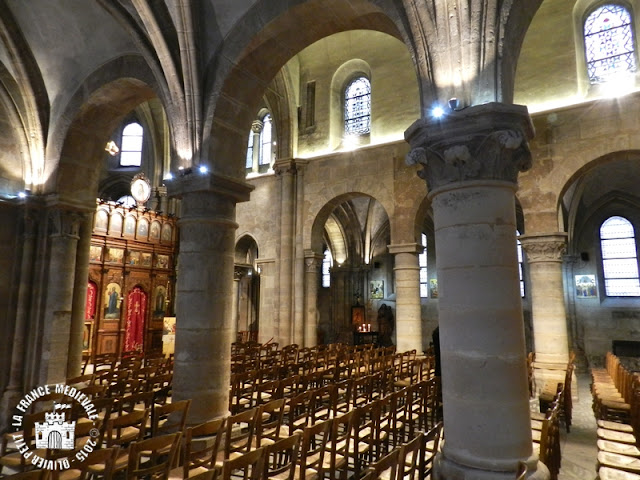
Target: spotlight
{"x": 168, "y": 176}
{"x": 454, "y": 104}
{"x": 203, "y": 169}
{"x": 22, "y": 194}
{"x": 437, "y": 112}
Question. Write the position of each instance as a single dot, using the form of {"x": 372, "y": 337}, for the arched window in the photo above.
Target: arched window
{"x": 131, "y": 146}
{"x": 609, "y": 43}
{"x": 260, "y": 145}
{"x": 265, "y": 141}
{"x": 519, "y": 247}
{"x": 327, "y": 262}
{"x": 422, "y": 259}
{"x": 357, "y": 107}
{"x": 619, "y": 258}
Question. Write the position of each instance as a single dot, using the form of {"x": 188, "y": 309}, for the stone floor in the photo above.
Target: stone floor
{"x": 578, "y": 448}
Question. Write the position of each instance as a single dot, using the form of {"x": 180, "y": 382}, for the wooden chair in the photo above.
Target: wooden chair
{"x": 339, "y": 446}
{"x": 607, "y": 473}
{"x": 134, "y": 402}
{"x": 387, "y": 466}
{"x": 169, "y": 418}
{"x": 521, "y": 473}
{"x": 297, "y": 414}
{"x": 312, "y": 450}
{"x": 269, "y": 419}
{"x": 31, "y": 475}
{"x": 281, "y": 458}
{"x": 201, "y": 447}
{"x": 248, "y": 466}
{"x": 127, "y": 428}
{"x": 11, "y": 457}
{"x": 104, "y": 457}
{"x": 153, "y": 457}
{"x": 239, "y": 433}
{"x": 430, "y": 446}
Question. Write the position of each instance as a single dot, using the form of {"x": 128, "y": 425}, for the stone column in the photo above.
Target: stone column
{"x": 17, "y": 373}
{"x": 74, "y": 365}
{"x": 60, "y": 279}
{"x": 471, "y": 160}
{"x": 268, "y": 292}
{"x": 544, "y": 255}
{"x": 298, "y": 316}
{"x": 204, "y": 291}
{"x": 256, "y": 128}
{"x": 237, "y": 276}
{"x": 408, "y": 316}
{"x": 286, "y": 170}
{"x": 313, "y": 263}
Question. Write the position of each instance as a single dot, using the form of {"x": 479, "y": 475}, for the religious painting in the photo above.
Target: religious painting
{"x": 130, "y": 225}
{"x": 95, "y": 253}
{"x": 134, "y": 257}
{"x": 112, "y": 301}
{"x": 357, "y": 317}
{"x": 90, "y": 303}
{"x": 145, "y": 259}
{"x": 586, "y": 286}
{"x": 114, "y": 255}
{"x": 169, "y": 335}
{"x": 86, "y": 337}
{"x": 115, "y": 227}
{"x": 155, "y": 231}
{"x": 167, "y": 232}
{"x": 169, "y": 326}
{"x": 102, "y": 219}
{"x": 134, "y": 327}
{"x": 377, "y": 289}
{"x": 162, "y": 261}
{"x": 433, "y": 287}
{"x": 159, "y": 301}
{"x": 143, "y": 228}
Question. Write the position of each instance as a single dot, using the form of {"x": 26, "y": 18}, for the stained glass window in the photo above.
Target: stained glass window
{"x": 609, "y": 43}
{"x": 357, "y": 107}
{"x": 131, "y": 148}
{"x": 327, "y": 261}
{"x": 422, "y": 260}
{"x": 619, "y": 258}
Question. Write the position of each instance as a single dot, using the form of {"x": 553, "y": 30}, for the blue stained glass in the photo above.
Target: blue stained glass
{"x": 357, "y": 107}
{"x": 609, "y": 43}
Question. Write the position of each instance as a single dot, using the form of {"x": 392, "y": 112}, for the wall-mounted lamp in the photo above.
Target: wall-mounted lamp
{"x": 454, "y": 104}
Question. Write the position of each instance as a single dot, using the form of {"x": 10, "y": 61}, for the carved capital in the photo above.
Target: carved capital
{"x": 257, "y": 126}
{"x": 313, "y": 263}
{"x": 63, "y": 223}
{"x": 286, "y": 166}
{"x": 544, "y": 248}
{"x": 486, "y": 142}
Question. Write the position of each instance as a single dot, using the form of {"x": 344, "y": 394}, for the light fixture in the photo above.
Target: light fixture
{"x": 112, "y": 148}
{"x": 437, "y": 112}
{"x": 203, "y": 169}
{"x": 454, "y": 104}
{"x": 22, "y": 194}
{"x": 168, "y": 176}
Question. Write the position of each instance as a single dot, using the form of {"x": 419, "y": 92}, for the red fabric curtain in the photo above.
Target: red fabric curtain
{"x": 136, "y": 313}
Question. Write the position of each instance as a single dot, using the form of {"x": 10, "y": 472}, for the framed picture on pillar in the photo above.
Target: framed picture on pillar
{"x": 377, "y": 289}
{"x": 586, "y": 286}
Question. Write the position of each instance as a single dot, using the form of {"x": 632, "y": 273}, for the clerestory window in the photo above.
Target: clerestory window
{"x": 619, "y": 258}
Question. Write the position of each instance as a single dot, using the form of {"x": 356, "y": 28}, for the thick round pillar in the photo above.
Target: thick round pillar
{"x": 408, "y": 313}
{"x": 204, "y": 292}
{"x": 61, "y": 270}
{"x": 544, "y": 254}
{"x": 471, "y": 159}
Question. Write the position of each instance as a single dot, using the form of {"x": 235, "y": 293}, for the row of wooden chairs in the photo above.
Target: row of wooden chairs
{"x": 545, "y": 431}
{"x": 613, "y": 390}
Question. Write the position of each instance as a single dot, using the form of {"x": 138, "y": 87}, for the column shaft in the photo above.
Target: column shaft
{"x": 408, "y": 311}
{"x": 313, "y": 263}
{"x": 204, "y": 292}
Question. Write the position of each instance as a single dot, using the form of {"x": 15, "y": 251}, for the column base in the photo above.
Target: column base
{"x": 446, "y": 469}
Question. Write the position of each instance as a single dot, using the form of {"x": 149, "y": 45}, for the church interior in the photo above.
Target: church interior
{"x": 202, "y": 189}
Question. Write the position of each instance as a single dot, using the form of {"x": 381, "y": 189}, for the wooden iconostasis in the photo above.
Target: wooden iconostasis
{"x": 131, "y": 280}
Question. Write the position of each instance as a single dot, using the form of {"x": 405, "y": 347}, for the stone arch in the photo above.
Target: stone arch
{"x": 248, "y": 63}
{"x": 323, "y": 214}
{"x": 245, "y": 245}
{"x": 101, "y": 102}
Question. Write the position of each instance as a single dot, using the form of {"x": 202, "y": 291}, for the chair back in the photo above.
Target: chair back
{"x": 281, "y": 457}
{"x": 248, "y": 466}
{"x": 169, "y": 418}
{"x": 159, "y": 456}
{"x": 208, "y": 435}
